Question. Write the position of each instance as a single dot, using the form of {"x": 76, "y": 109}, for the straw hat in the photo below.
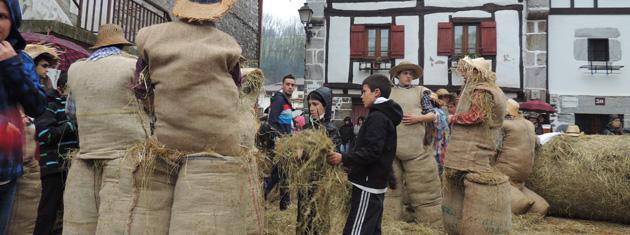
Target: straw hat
{"x": 443, "y": 92}
{"x": 35, "y": 50}
{"x": 512, "y": 108}
{"x": 201, "y": 10}
{"x": 466, "y": 65}
{"x": 109, "y": 35}
{"x": 404, "y": 66}
{"x": 573, "y": 130}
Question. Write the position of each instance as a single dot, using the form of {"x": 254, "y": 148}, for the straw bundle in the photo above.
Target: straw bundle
{"x": 303, "y": 156}
{"x": 585, "y": 177}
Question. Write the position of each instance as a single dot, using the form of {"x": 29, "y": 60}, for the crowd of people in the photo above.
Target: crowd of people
{"x": 79, "y": 132}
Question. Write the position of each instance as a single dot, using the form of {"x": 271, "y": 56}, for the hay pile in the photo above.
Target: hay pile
{"x": 538, "y": 225}
{"x": 303, "y": 157}
{"x": 585, "y": 177}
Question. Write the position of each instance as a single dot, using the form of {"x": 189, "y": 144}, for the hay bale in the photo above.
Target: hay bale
{"x": 585, "y": 177}
{"x": 303, "y": 156}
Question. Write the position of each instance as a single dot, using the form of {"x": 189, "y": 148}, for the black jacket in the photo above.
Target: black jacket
{"x": 347, "y": 133}
{"x": 56, "y": 134}
{"x": 370, "y": 161}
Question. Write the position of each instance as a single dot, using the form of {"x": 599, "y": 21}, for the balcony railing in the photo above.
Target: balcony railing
{"x": 131, "y": 15}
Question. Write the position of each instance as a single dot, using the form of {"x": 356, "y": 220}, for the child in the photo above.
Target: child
{"x": 370, "y": 161}
{"x": 320, "y": 109}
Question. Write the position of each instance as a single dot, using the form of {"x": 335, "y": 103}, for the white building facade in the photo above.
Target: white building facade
{"x": 356, "y": 38}
{"x": 588, "y": 59}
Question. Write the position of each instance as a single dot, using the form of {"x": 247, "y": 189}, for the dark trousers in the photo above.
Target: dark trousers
{"x": 278, "y": 176}
{"x": 366, "y": 213}
{"x": 50, "y": 202}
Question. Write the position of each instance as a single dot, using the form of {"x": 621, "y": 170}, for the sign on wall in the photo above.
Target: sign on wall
{"x": 600, "y": 101}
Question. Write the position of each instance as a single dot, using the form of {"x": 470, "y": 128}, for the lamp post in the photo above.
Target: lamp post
{"x": 305, "y": 16}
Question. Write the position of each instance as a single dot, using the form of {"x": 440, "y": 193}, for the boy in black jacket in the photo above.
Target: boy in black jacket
{"x": 370, "y": 161}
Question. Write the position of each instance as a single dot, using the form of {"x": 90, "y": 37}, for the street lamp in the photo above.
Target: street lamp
{"x": 305, "y": 16}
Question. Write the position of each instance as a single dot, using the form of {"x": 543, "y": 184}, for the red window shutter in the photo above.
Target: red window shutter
{"x": 445, "y": 38}
{"x": 397, "y": 42}
{"x": 358, "y": 42}
{"x": 488, "y": 38}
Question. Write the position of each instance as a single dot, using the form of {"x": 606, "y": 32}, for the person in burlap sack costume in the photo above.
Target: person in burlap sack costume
{"x": 476, "y": 198}
{"x": 96, "y": 200}
{"x": 515, "y": 158}
{"x": 414, "y": 166}
{"x": 193, "y": 74}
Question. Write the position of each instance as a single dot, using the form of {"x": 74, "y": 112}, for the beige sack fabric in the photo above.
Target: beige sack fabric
{"x": 453, "y": 204}
{"x": 196, "y": 100}
{"x": 153, "y": 185}
{"x": 26, "y": 201}
{"x": 540, "y": 205}
{"x": 471, "y": 147}
{"x": 210, "y": 196}
{"x": 95, "y": 199}
{"x": 486, "y": 204}
{"x": 520, "y": 202}
{"x": 111, "y": 119}
{"x": 422, "y": 183}
{"x": 516, "y": 156}
{"x": 394, "y": 205}
{"x": 410, "y": 143}
{"x": 79, "y": 200}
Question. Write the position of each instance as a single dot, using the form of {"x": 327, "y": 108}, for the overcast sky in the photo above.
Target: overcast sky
{"x": 285, "y": 9}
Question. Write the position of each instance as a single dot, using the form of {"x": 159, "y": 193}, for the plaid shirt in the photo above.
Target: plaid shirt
{"x": 104, "y": 52}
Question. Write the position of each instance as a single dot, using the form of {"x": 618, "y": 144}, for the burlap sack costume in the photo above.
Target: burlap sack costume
{"x": 29, "y": 189}
{"x": 415, "y": 168}
{"x": 197, "y": 114}
{"x": 471, "y": 149}
{"x": 515, "y": 157}
{"x": 98, "y": 194}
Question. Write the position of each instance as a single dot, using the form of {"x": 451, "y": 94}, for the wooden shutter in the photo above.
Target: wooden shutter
{"x": 358, "y": 42}
{"x": 488, "y": 38}
{"x": 445, "y": 38}
{"x": 397, "y": 41}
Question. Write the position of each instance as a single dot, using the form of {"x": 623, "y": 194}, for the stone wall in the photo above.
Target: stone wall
{"x": 242, "y": 23}
{"x": 535, "y": 50}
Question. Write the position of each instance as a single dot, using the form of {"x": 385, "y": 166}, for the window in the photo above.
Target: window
{"x": 466, "y": 39}
{"x": 378, "y": 42}
{"x": 598, "y": 50}
{"x": 470, "y": 38}
{"x": 370, "y": 42}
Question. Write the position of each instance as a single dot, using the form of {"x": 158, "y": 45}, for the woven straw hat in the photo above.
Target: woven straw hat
{"x": 443, "y": 92}
{"x": 109, "y": 35}
{"x": 466, "y": 65}
{"x": 512, "y": 108}
{"x": 404, "y": 66}
{"x": 201, "y": 10}
{"x": 35, "y": 50}
{"x": 573, "y": 130}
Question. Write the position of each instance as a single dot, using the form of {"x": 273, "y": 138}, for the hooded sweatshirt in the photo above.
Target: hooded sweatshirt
{"x": 324, "y": 95}
{"x": 370, "y": 161}
{"x": 17, "y": 88}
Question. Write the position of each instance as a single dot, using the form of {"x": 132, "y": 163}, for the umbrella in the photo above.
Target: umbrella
{"x": 537, "y": 105}
{"x": 69, "y": 52}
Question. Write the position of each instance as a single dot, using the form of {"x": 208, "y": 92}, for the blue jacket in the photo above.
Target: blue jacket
{"x": 275, "y": 110}
{"x": 17, "y": 88}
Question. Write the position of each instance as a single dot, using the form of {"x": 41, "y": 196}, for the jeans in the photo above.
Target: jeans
{"x": 7, "y": 193}
{"x": 278, "y": 176}
{"x": 344, "y": 148}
